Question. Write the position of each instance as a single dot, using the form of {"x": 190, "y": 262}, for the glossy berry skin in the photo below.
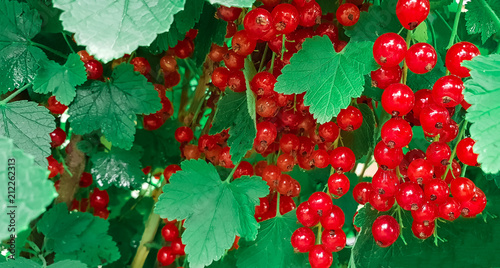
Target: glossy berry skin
{"x": 243, "y": 44}
{"x": 385, "y": 183}
{"x": 389, "y": 50}
{"x": 457, "y": 54}
{"x": 141, "y": 65}
{"x": 465, "y": 152}
{"x": 257, "y": 22}
{"x": 289, "y": 143}
{"x": 407, "y": 159}
{"x": 386, "y": 76}
{"x": 425, "y": 214}
{"x": 55, "y": 106}
{"x": 228, "y": 13}
{"x": 333, "y": 219}
{"x": 168, "y": 63}
{"x": 263, "y": 84}
{"x": 85, "y": 180}
{"x": 433, "y": 118}
{"x": 398, "y": 99}
{"x": 387, "y": 158}
{"x": 381, "y": 203}
{"x": 266, "y": 133}
{"x": 449, "y": 210}
{"x": 165, "y": 256}
{"x": 448, "y": 91}
{"x": 462, "y": 189}
{"x": 436, "y": 191}
{"x": 184, "y": 134}
{"x": 350, "y": 118}
{"x": 420, "y": 171}
{"x": 449, "y": 131}
{"x": 303, "y": 239}
{"x": 285, "y": 18}
{"x": 396, "y": 133}
{"x": 57, "y": 137}
{"x": 328, "y": 29}
{"x": 320, "y": 202}
{"x": 347, "y": 14}
{"x": 285, "y": 162}
{"x": 307, "y": 216}
{"x": 178, "y": 247}
{"x": 423, "y": 98}
{"x": 309, "y": 14}
{"x": 320, "y": 158}
{"x": 243, "y": 169}
{"x": 412, "y": 12}
{"x": 361, "y": 192}
{"x": 99, "y": 199}
{"x": 338, "y": 184}
{"x": 233, "y": 61}
{"x": 170, "y": 170}
{"x": 153, "y": 121}
{"x": 438, "y": 153}
{"x": 169, "y": 232}
{"x": 328, "y": 132}
{"x": 320, "y": 257}
{"x": 333, "y": 240}
{"x": 171, "y": 79}
{"x": 266, "y": 107}
{"x": 385, "y": 230}
{"x": 342, "y": 159}
{"x": 421, "y": 58}
{"x": 475, "y": 205}
{"x": 422, "y": 231}
{"x": 94, "y": 69}
{"x": 410, "y": 196}
{"x": 220, "y": 75}
{"x": 236, "y": 81}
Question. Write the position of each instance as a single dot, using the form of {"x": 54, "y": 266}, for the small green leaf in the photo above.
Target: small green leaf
{"x": 234, "y": 112}
{"x": 112, "y": 106}
{"x": 479, "y": 19}
{"x": 18, "y": 58}
{"x": 25, "y": 184}
{"x": 420, "y": 33}
{"x": 233, "y": 3}
{"x": 483, "y": 93}
{"x": 117, "y": 167}
{"x": 214, "y": 211}
{"x": 361, "y": 140}
{"x": 273, "y": 233}
{"x": 111, "y": 28}
{"x": 330, "y": 79}
{"x": 210, "y": 30}
{"x": 60, "y": 80}
{"x": 29, "y": 125}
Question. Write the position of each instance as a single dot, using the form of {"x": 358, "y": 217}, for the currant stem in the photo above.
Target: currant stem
{"x": 455, "y": 24}
{"x": 264, "y": 54}
{"x": 272, "y": 63}
{"x": 67, "y": 42}
{"x": 453, "y": 153}
{"x": 131, "y": 56}
{"x": 464, "y": 168}
{"x": 405, "y": 66}
{"x": 278, "y": 205}
{"x": 398, "y": 211}
{"x": 318, "y": 234}
{"x": 53, "y": 51}
{"x": 283, "y": 49}
{"x": 13, "y": 95}
{"x": 228, "y": 179}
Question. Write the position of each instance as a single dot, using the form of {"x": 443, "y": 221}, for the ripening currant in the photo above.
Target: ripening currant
{"x": 257, "y": 22}
{"x": 94, "y": 69}
{"x": 457, "y": 54}
{"x": 320, "y": 203}
{"x": 421, "y": 58}
{"x": 422, "y": 231}
{"x": 385, "y": 231}
{"x": 412, "y": 12}
{"x": 309, "y": 14}
{"x": 398, "y": 99}
{"x": 228, "y": 13}
{"x": 350, "y": 118}
{"x": 306, "y": 215}
{"x": 342, "y": 159}
{"x": 338, "y": 184}
{"x": 333, "y": 219}
{"x": 436, "y": 191}
{"x": 396, "y": 132}
{"x": 242, "y": 43}
{"x": 389, "y": 50}
{"x": 448, "y": 91}
{"x": 386, "y": 157}
{"x": 420, "y": 171}
{"x": 425, "y": 214}
{"x": 285, "y": 18}
{"x": 57, "y": 137}
{"x": 438, "y": 153}
{"x": 320, "y": 257}
{"x": 381, "y": 203}
{"x": 475, "y": 205}
{"x": 361, "y": 192}
{"x": 334, "y": 240}
{"x": 303, "y": 239}
{"x": 385, "y": 183}
{"x": 433, "y": 117}
{"x": 465, "y": 152}
{"x": 386, "y": 76}
{"x": 328, "y": 132}
{"x": 410, "y": 196}
{"x": 347, "y": 14}
{"x": 462, "y": 189}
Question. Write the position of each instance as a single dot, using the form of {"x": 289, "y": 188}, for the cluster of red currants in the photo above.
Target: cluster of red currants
{"x": 167, "y": 254}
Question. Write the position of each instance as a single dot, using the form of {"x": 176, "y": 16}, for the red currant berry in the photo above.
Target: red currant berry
{"x": 55, "y": 106}
{"x": 303, "y": 239}
{"x": 228, "y": 13}
{"x": 475, "y": 205}
{"x": 361, "y": 192}
{"x": 334, "y": 240}
{"x": 289, "y": 143}
{"x": 398, "y": 99}
{"x": 320, "y": 203}
{"x": 385, "y": 230}
{"x": 338, "y": 184}
{"x": 99, "y": 199}
{"x": 423, "y": 98}
{"x": 285, "y": 162}
{"x": 225, "y": 158}
{"x": 421, "y": 58}
{"x": 328, "y": 132}
{"x": 389, "y": 49}
{"x": 420, "y": 171}
{"x": 448, "y": 91}
{"x": 165, "y": 256}
{"x": 385, "y": 183}
{"x": 170, "y": 232}
{"x": 347, "y": 14}
{"x": 220, "y": 75}
{"x": 216, "y": 54}
{"x": 410, "y": 196}
{"x": 58, "y": 136}
{"x": 310, "y": 14}
{"x": 306, "y": 146}
{"x": 236, "y": 81}
{"x": 457, "y": 54}
{"x": 184, "y": 134}
{"x": 243, "y": 169}
{"x": 436, "y": 191}
{"x": 263, "y": 84}
{"x": 84, "y": 56}
{"x": 386, "y": 76}
{"x": 170, "y": 170}
{"x": 262, "y": 208}
{"x": 422, "y": 231}
{"x": 266, "y": 107}
{"x": 233, "y": 61}
{"x": 153, "y": 121}
{"x": 438, "y": 153}
{"x": 168, "y": 63}
{"x": 320, "y": 158}
{"x": 462, "y": 189}
{"x": 425, "y": 214}
{"x": 412, "y": 12}
{"x": 266, "y": 133}
{"x": 465, "y": 152}
{"x": 320, "y": 257}
{"x": 242, "y": 43}
{"x": 178, "y": 247}
{"x": 271, "y": 174}
{"x": 387, "y": 158}
{"x": 94, "y": 69}
{"x": 396, "y": 132}
{"x": 350, "y": 118}
{"x": 285, "y": 18}
{"x": 342, "y": 159}
{"x": 407, "y": 159}
{"x": 307, "y": 216}
{"x": 449, "y": 210}
{"x": 381, "y": 203}
{"x": 449, "y": 131}
{"x": 141, "y": 65}
{"x": 328, "y": 29}
{"x": 333, "y": 219}
{"x": 257, "y": 23}
{"x": 85, "y": 180}
{"x": 171, "y": 79}
{"x": 433, "y": 118}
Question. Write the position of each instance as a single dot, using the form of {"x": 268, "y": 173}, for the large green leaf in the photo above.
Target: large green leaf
{"x": 274, "y": 234}
{"x": 112, "y": 106}
{"x": 18, "y": 58}
{"x": 483, "y": 93}
{"x": 234, "y": 112}
{"x": 26, "y": 190}
{"x": 111, "y": 28}
{"x": 60, "y": 80}
{"x": 210, "y": 30}
{"x": 330, "y": 79}
{"x": 480, "y": 20}
{"x": 215, "y": 211}
{"x": 361, "y": 140}
{"x": 29, "y": 125}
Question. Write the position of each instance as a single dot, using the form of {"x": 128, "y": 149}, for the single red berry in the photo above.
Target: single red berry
{"x": 410, "y": 196}
{"x": 236, "y": 81}
{"x": 285, "y": 162}
{"x": 385, "y": 230}
{"x": 448, "y": 91}
{"x": 170, "y": 170}
{"x": 184, "y": 48}
{"x": 165, "y": 256}
{"x": 94, "y": 69}
{"x": 101, "y": 213}
{"x": 289, "y": 143}
{"x": 422, "y": 231}
{"x": 266, "y": 107}
{"x": 262, "y": 208}
{"x": 333, "y": 219}
{"x": 320, "y": 257}
{"x": 84, "y": 56}
{"x": 58, "y": 136}
{"x": 263, "y": 84}
{"x": 306, "y": 147}
{"x": 285, "y": 184}
{"x": 328, "y": 29}
{"x": 387, "y": 158}
{"x": 386, "y": 76}
{"x": 475, "y": 205}
{"x": 320, "y": 203}
{"x": 266, "y": 133}
{"x": 168, "y": 63}
{"x": 425, "y": 214}
{"x": 306, "y": 215}
{"x": 457, "y": 54}
{"x": 423, "y": 98}
{"x": 334, "y": 240}
{"x": 338, "y": 184}
{"x": 385, "y": 183}
{"x": 285, "y": 18}
{"x": 243, "y": 169}
{"x": 421, "y": 58}
{"x": 220, "y": 75}
{"x": 465, "y": 152}
{"x": 438, "y": 153}
{"x": 436, "y": 191}
{"x": 462, "y": 189}
{"x": 171, "y": 79}
{"x": 257, "y": 23}
{"x": 303, "y": 239}
{"x": 433, "y": 118}
{"x": 99, "y": 199}
{"x": 412, "y": 12}
{"x": 320, "y": 158}
{"x": 178, "y": 247}
{"x": 153, "y": 121}
{"x": 309, "y": 14}
{"x": 398, "y": 99}
{"x": 449, "y": 210}
{"x": 233, "y": 61}
{"x": 407, "y": 159}
{"x": 339, "y": 45}
{"x": 271, "y": 174}
{"x": 342, "y": 159}
{"x": 361, "y": 192}
{"x": 396, "y": 132}
{"x": 350, "y": 118}
{"x": 381, "y": 203}
{"x": 55, "y": 106}
{"x": 328, "y": 132}
{"x": 184, "y": 134}
{"x": 85, "y": 180}
{"x": 449, "y": 131}
{"x": 228, "y": 13}
{"x": 141, "y": 65}
{"x": 420, "y": 171}
{"x": 347, "y": 14}
{"x": 242, "y": 43}
{"x": 170, "y": 232}
{"x": 389, "y": 49}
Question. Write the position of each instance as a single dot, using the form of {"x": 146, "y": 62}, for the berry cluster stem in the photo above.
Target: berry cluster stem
{"x": 13, "y": 95}
{"x": 455, "y": 24}
{"x": 400, "y": 220}
{"x": 405, "y": 66}
{"x": 278, "y": 205}
{"x": 264, "y": 54}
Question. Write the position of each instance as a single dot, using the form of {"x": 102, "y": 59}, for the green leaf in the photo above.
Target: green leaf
{"x": 24, "y": 183}
{"x": 49, "y": 15}
{"x": 370, "y": 91}
{"x": 233, "y": 112}
{"x": 420, "y": 33}
{"x": 360, "y": 218}
{"x": 227, "y": 261}
{"x": 68, "y": 263}
{"x": 117, "y": 167}
{"x": 233, "y": 3}
{"x": 436, "y": 4}
{"x": 275, "y": 234}
{"x": 328, "y": 6}
{"x": 483, "y": 93}
{"x": 418, "y": 141}
{"x": 29, "y": 125}
{"x": 20, "y": 263}
{"x": 60, "y": 80}
{"x": 160, "y": 147}
{"x": 210, "y": 30}
{"x": 421, "y": 81}
{"x": 330, "y": 79}
{"x": 111, "y": 106}
{"x": 214, "y": 211}
{"x": 18, "y": 58}
{"x": 480, "y": 20}
{"x": 77, "y": 236}
{"x": 493, "y": 177}
{"x": 361, "y": 140}
{"x": 374, "y": 23}
{"x": 111, "y": 28}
